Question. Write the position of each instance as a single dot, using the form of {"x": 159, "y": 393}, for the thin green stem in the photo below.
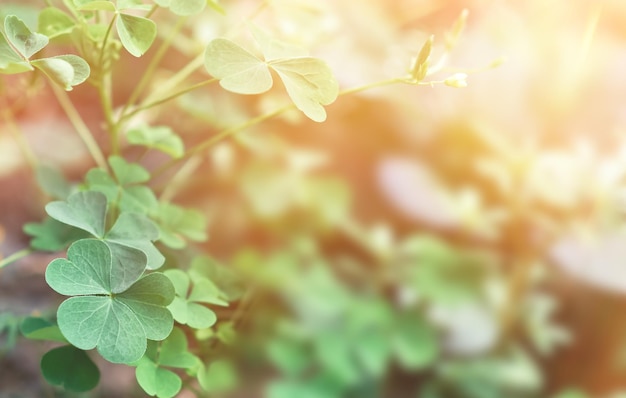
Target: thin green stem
{"x": 151, "y": 11}
{"x": 106, "y": 39}
{"x": 80, "y": 126}
{"x": 104, "y": 87}
{"x": 170, "y": 97}
{"x": 381, "y": 83}
{"x": 15, "y": 257}
{"x": 220, "y": 136}
{"x": 178, "y": 78}
{"x": 154, "y": 63}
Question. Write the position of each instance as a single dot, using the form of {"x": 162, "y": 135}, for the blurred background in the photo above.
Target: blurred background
{"x": 425, "y": 241}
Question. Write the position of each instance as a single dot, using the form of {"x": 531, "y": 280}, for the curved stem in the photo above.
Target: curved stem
{"x": 170, "y": 97}
{"x": 15, "y": 256}
{"x": 80, "y": 126}
{"x": 106, "y": 39}
{"x": 154, "y": 63}
{"x": 220, "y": 136}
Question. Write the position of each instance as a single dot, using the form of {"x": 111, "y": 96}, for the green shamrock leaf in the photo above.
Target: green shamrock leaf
{"x": 308, "y": 80}
{"x": 65, "y": 70}
{"x": 131, "y": 231}
{"x": 171, "y": 352}
{"x": 51, "y": 235}
{"x": 23, "y": 40}
{"x": 53, "y": 22}
{"x": 37, "y": 328}
{"x": 186, "y": 307}
{"x": 161, "y": 138}
{"x": 114, "y": 309}
{"x": 219, "y": 377}
{"x": 70, "y": 368}
{"x": 177, "y": 223}
{"x": 10, "y": 61}
{"x": 136, "y": 33}
{"x": 183, "y": 8}
{"x": 124, "y": 188}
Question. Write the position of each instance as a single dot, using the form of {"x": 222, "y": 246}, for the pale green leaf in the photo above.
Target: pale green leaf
{"x": 176, "y": 223}
{"x": 132, "y": 5}
{"x": 174, "y": 351}
{"x": 10, "y": 61}
{"x": 157, "y": 381}
{"x": 65, "y": 70}
{"x": 128, "y": 173}
{"x": 26, "y": 42}
{"x": 185, "y": 8}
{"x": 96, "y": 5}
{"x": 83, "y": 210}
{"x": 53, "y": 22}
{"x": 161, "y": 138}
{"x": 237, "y": 69}
{"x": 136, "y": 33}
{"x": 309, "y": 82}
{"x": 52, "y": 181}
{"x": 275, "y": 49}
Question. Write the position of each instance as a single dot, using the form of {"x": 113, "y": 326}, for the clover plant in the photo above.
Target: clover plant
{"x": 139, "y": 288}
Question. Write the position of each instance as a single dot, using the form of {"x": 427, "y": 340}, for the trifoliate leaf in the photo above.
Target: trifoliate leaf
{"x": 70, "y": 368}
{"x": 65, "y": 70}
{"x": 161, "y": 138}
{"x": 26, "y": 42}
{"x": 114, "y": 310}
{"x": 174, "y": 353}
{"x": 128, "y": 173}
{"x": 177, "y": 223}
{"x": 237, "y": 69}
{"x": 83, "y": 210}
{"x": 185, "y": 307}
{"x": 53, "y": 22}
{"x": 10, "y": 61}
{"x": 123, "y": 189}
{"x": 136, "y": 33}
{"x": 310, "y": 84}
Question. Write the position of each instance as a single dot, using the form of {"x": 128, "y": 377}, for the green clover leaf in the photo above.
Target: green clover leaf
{"x": 65, "y": 70}
{"x": 23, "y": 40}
{"x": 237, "y": 69}
{"x": 308, "y": 80}
{"x": 161, "y": 138}
{"x": 124, "y": 188}
{"x": 183, "y": 8}
{"x": 185, "y": 307}
{"x": 53, "y": 22}
{"x": 131, "y": 231}
{"x": 177, "y": 223}
{"x": 171, "y": 352}
{"x": 70, "y": 368}
{"x": 10, "y": 61}
{"x": 114, "y": 309}
{"x": 136, "y": 33}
